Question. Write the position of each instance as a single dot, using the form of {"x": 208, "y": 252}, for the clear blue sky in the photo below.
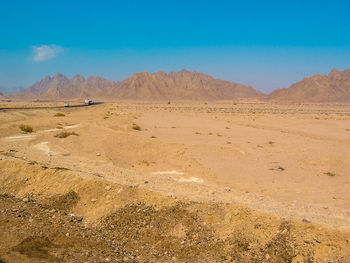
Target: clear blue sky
{"x": 266, "y": 44}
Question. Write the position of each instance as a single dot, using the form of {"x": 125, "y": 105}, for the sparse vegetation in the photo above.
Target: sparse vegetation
{"x": 66, "y": 134}
{"x": 330, "y": 174}
{"x": 59, "y": 114}
{"x": 144, "y": 162}
{"x": 280, "y": 168}
{"x": 26, "y": 128}
{"x": 271, "y": 142}
{"x": 136, "y": 127}
{"x": 153, "y": 137}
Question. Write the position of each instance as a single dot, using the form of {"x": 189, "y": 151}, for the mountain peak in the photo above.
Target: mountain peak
{"x": 334, "y": 87}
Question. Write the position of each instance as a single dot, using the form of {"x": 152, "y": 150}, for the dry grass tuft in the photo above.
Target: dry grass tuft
{"x": 26, "y": 128}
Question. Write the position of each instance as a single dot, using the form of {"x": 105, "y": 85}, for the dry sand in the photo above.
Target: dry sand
{"x": 280, "y": 162}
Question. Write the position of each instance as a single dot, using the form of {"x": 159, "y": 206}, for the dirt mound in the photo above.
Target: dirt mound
{"x": 64, "y": 202}
{"x": 146, "y": 228}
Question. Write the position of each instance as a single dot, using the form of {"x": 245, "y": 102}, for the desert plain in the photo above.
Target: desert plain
{"x": 175, "y": 182}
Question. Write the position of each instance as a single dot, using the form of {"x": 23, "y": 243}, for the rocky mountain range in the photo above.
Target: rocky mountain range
{"x": 185, "y": 85}
{"x": 182, "y": 85}
{"x": 159, "y": 86}
{"x": 334, "y": 87}
{"x": 61, "y": 87}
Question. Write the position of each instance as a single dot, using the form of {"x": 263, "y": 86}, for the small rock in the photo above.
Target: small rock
{"x": 306, "y": 220}
{"x": 267, "y": 256}
{"x": 25, "y": 199}
{"x": 318, "y": 240}
{"x": 227, "y": 189}
{"x": 67, "y": 235}
{"x": 98, "y": 154}
{"x": 93, "y": 200}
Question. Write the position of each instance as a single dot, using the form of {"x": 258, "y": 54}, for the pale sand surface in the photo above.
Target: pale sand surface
{"x": 273, "y": 158}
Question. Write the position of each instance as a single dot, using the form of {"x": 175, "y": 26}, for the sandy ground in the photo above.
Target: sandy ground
{"x": 287, "y": 161}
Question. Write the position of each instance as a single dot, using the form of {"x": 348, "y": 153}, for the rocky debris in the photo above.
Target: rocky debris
{"x": 136, "y": 232}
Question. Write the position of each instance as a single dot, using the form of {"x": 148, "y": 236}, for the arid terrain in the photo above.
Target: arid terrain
{"x": 178, "y": 182}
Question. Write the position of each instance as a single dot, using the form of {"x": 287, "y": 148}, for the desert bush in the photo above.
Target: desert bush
{"x": 59, "y": 114}
{"x": 26, "y": 128}
{"x": 136, "y": 127}
{"x": 65, "y": 134}
{"x": 330, "y": 174}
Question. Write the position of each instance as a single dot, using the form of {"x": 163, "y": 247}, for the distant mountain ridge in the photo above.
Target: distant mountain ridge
{"x": 185, "y": 85}
{"x": 334, "y": 87}
{"x": 61, "y": 87}
{"x": 158, "y": 86}
{"x": 182, "y": 85}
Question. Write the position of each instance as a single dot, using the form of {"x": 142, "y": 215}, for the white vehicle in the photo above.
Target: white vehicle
{"x": 88, "y": 102}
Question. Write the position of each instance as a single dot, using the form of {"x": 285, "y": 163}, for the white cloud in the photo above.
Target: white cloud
{"x": 46, "y": 52}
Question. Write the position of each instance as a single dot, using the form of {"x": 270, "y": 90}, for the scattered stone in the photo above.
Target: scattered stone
{"x": 267, "y": 256}
{"x": 25, "y": 199}
{"x": 318, "y": 240}
{"x": 306, "y": 220}
{"x": 108, "y": 187}
{"x": 67, "y": 234}
{"x": 98, "y": 154}
{"x": 93, "y": 200}
{"x": 227, "y": 189}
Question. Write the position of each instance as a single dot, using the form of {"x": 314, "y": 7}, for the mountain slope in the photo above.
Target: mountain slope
{"x": 334, "y": 87}
{"x": 182, "y": 85}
